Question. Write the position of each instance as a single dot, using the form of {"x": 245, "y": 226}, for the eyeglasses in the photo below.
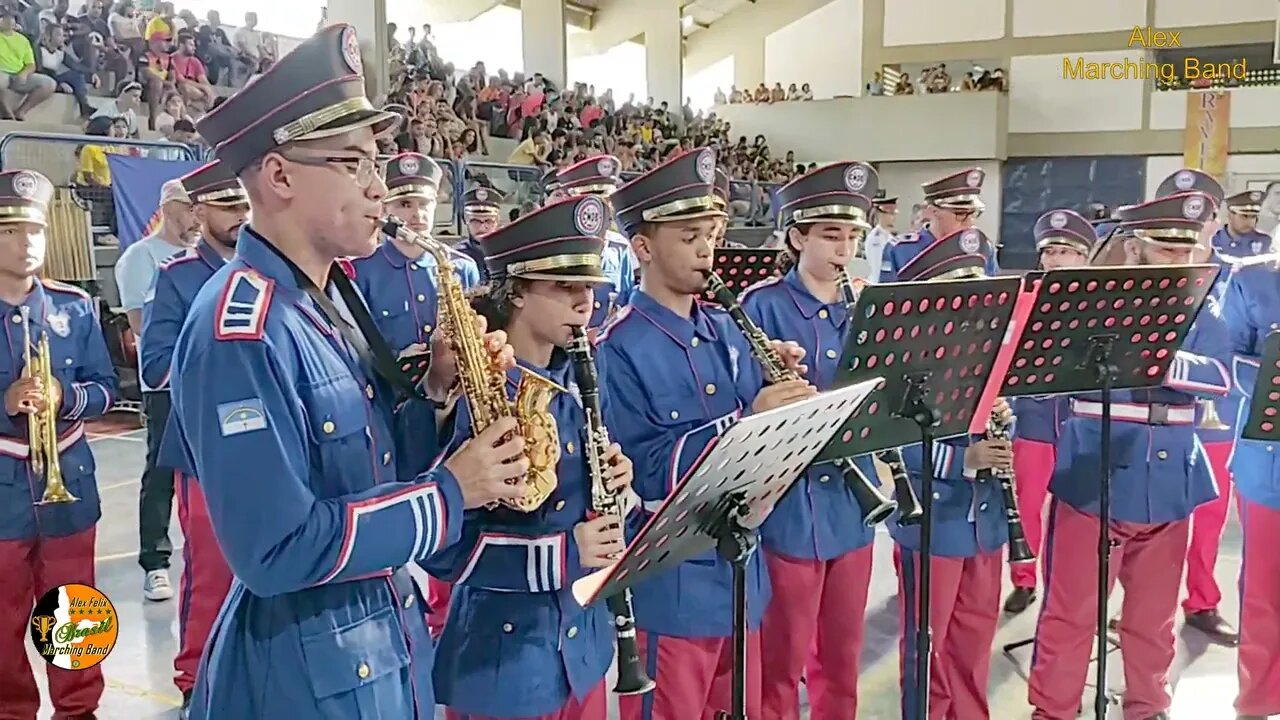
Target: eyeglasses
{"x": 365, "y": 167}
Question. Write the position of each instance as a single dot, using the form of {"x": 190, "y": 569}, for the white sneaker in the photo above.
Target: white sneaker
{"x": 156, "y": 587}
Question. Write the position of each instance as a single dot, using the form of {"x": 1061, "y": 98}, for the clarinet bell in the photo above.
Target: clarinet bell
{"x": 1020, "y": 551}
{"x": 910, "y": 509}
{"x": 875, "y": 507}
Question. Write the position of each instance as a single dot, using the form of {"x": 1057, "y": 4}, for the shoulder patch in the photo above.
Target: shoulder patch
{"x": 242, "y": 308}
{"x": 241, "y": 416}
{"x": 62, "y": 287}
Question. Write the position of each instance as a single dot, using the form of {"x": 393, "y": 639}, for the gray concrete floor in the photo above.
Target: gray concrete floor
{"x": 139, "y": 672}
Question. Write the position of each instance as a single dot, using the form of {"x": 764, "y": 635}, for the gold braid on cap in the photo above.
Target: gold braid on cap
{"x": 213, "y": 196}
{"x": 313, "y": 121}
{"x": 678, "y": 207}
{"x": 825, "y": 213}
{"x": 1166, "y": 234}
{"x": 555, "y": 262}
{"x": 22, "y": 213}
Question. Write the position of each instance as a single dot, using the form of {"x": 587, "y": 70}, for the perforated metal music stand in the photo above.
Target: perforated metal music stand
{"x": 740, "y": 268}
{"x": 935, "y": 344}
{"x": 1264, "y": 407}
{"x": 722, "y": 499}
{"x": 1102, "y": 329}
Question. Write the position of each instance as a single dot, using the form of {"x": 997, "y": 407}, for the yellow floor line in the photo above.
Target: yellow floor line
{"x": 166, "y": 699}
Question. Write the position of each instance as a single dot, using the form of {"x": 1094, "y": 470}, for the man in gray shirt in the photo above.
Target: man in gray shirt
{"x": 136, "y": 272}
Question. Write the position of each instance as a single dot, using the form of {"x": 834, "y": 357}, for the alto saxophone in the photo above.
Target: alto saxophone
{"x": 632, "y": 679}
{"x": 484, "y": 384}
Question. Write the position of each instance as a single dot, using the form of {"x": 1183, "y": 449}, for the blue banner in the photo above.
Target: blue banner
{"x": 135, "y": 188}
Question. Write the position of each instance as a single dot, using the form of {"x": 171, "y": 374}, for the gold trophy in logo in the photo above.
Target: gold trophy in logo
{"x": 42, "y": 426}
{"x": 44, "y": 624}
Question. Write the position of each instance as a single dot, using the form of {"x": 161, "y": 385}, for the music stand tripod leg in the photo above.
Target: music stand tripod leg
{"x": 915, "y": 407}
{"x": 735, "y": 544}
{"x": 1100, "y": 348}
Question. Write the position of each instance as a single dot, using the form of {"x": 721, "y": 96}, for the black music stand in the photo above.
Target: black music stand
{"x": 740, "y": 268}
{"x": 741, "y": 475}
{"x": 1264, "y": 407}
{"x": 1101, "y": 329}
{"x": 935, "y": 344}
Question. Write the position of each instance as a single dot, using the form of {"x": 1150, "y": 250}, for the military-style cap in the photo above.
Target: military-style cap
{"x": 562, "y": 241}
{"x": 883, "y": 199}
{"x": 1173, "y": 221}
{"x": 214, "y": 184}
{"x": 1191, "y": 179}
{"x": 596, "y": 176}
{"x": 316, "y": 91}
{"x": 412, "y": 175}
{"x": 482, "y": 201}
{"x": 681, "y": 188}
{"x": 836, "y": 193}
{"x": 962, "y": 253}
{"x": 24, "y": 197}
{"x": 721, "y": 190}
{"x": 1065, "y": 228}
{"x": 1247, "y": 203}
{"x": 550, "y": 181}
{"x": 958, "y": 191}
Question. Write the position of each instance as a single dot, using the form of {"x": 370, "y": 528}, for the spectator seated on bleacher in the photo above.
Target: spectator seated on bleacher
{"x": 189, "y": 75}
{"x": 18, "y": 68}
{"x": 92, "y": 180}
{"x": 214, "y": 49}
{"x": 124, "y": 106}
{"x": 67, "y": 70}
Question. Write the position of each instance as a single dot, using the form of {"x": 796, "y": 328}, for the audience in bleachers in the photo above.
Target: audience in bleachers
{"x": 763, "y": 95}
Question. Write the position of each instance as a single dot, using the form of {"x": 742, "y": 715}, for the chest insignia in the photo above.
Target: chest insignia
{"x": 59, "y": 323}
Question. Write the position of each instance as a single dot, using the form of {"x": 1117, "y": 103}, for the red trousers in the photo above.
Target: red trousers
{"x": 694, "y": 678}
{"x": 29, "y": 569}
{"x": 1033, "y": 463}
{"x": 813, "y": 627}
{"x": 593, "y": 707}
{"x": 204, "y": 583}
{"x": 1258, "y": 658}
{"x": 963, "y": 612}
{"x": 1148, "y": 561}
{"x": 1206, "y": 532}
{"x": 438, "y": 594}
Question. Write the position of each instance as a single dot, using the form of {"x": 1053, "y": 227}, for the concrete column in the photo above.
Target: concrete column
{"x": 543, "y": 36}
{"x": 664, "y": 52}
{"x": 748, "y": 64}
{"x": 369, "y": 17}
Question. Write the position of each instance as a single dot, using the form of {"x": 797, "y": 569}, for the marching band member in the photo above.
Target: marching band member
{"x": 1252, "y": 312}
{"x": 43, "y": 546}
{"x": 525, "y": 648}
{"x": 816, "y": 546}
{"x": 679, "y": 374}
{"x": 599, "y": 176}
{"x": 881, "y": 237}
{"x": 1063, "y": 239}
{"x": 1240, "y": 237}
{"x": 293, "y": 448}
{"x": 481, "y": 209}
{"x": 1160, "y": 475}
{"x": 221, "y": 207}
{"x": 969, "y": 534}
{"x": 952, "y": 203}
{"x": 721, "y": 195}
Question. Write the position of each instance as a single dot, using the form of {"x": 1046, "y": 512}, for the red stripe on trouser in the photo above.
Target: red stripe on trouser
{"x": 1148, "y": 562}
{"x": 31, "y": 568}
{"x": 813, "y": 627}
{"x": 593, "y": 707}
{"x": 1033, "y": 464}
{"x": 693, "y": 679}
{"x": 438, "y": 594}
{"x": 964, "y": 610}
{"x": 1206, "y": 532}
{"x": 204, "y": 584}
{"x": 1258, "y": 658}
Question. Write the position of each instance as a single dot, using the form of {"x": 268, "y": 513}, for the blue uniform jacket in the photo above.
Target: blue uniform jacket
{"x": 177, "y": 282}
{"x": 616, "y": 263}
{"x": 289, "y": 436}
{"x": 968, "y": 514}
{"x": 1252, "y": 312}
{"x": 517, "y": 643}
{"x": 818, "y": 517}
{"x": 1040, "y": 419}
{"x": 1238, "y": 247}
{"x": 1228, "y": 251}
{"x": 471, "y": 248}
{"x": 676, "y": 384}
{"x": 905, "y": 247}
{"x": 81, "y": 365}
{"x": 1159, "y": 473}
{"x": 402, "y": 298}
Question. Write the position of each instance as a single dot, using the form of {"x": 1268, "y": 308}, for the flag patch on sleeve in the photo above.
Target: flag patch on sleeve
{"x": 241, "y": 416}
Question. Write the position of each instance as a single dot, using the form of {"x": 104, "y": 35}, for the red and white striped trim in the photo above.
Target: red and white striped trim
{"x": 545, "y": 558}
{"x": 20, "y": 449}
{"x": 1179, "y": 377}
{"x": 1134, "y": 412}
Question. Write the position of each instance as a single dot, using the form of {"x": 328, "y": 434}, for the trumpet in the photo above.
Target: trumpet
{"x": 42, "y": 426}
{"x": 1209, "y": 419}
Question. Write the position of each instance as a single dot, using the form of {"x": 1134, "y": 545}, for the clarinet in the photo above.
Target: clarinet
{"x": 632, "y": 679}
{"x": 875, "y": 507}
{"x": 1019, "y": 550}
{"x": 909, "y": 504}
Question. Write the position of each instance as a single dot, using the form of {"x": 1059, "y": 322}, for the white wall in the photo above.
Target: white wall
{"x": 702, "y": 85}
{"x": 1244, "y": 172}
{"x": 1250, "y": 107}
{"x": 1182, "y": 13}
{"x": 904, "y": 180}
{"x": 1055, "y": 17}
{"x": 823, "y": 48}
{"x": 925, "y": 22}
{"x": 1043, "y": 99}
